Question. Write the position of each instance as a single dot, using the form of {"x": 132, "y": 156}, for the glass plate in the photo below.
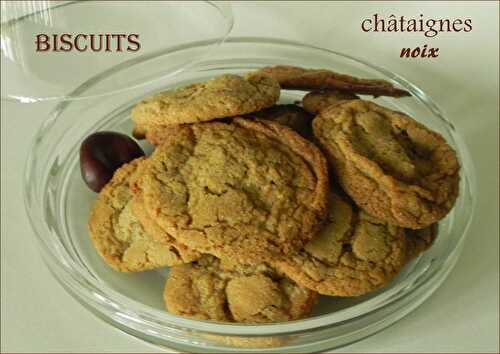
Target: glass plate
{"x": 58, "y": 204}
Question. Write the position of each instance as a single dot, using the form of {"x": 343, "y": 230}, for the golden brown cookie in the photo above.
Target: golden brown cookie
{"x": 295, "y": 78}
{"x": 249, "y": 190}
{"x": 223, "y": 96}
{"x": 184, "y": 254}
{"x": 389, "y": 164}
{"x": 354, "y": 254}
{"x": 289, "y": 115}
{"x": 316, "y": 101}
{"x": 211, "y": 289}
{"x": 119, "y": 237}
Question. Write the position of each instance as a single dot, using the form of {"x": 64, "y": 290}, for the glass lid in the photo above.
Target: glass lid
{"x": 51, "y": 47}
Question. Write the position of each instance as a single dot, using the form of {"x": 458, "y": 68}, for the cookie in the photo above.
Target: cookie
{"x": 289, "y": 115}
{"x": 295, "y": 78}
{"x": 223, "y": 96}
{"x": 354, "y": 254}
{"x": 211, "y": 289}
{"x": 316, "y": 101}
{"x": 184, "y": 254}
{"x": 390, "y": 165}
{"x": 249, "y": 190}
{"x": 119, "y": 237}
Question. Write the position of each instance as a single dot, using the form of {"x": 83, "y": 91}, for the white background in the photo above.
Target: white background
{"x": 463, "y": 315}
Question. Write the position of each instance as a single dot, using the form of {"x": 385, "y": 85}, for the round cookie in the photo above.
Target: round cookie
{"x": 120, "y": 238}
{"x": 353, "y": 255}
{"x": 223, "y": 96}
{"x": 250, "y": 190}
{"x": 211, "y": 289}
{"x": 185, "y": 254}
{"x": 295, "y": 78}
{"x": 289, "y": 115}
{"x": 316, "y": 101}
{"x": 390, "y": 165}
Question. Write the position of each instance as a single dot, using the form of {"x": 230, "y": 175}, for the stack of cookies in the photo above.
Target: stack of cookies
{"x": 259, "y": 207}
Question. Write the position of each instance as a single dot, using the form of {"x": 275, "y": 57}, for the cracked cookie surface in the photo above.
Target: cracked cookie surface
{"x": 223, "y": 96}
{"x": 295, "y": 78}
{"x": 211, "y": 289}
{"x": 354, "y": 254}
{"x": 151, "y": 227}
{"x": 389, "y": 164}
{"x": 117, "y": 234}
{"x": 316, "y": 101}
{"x": 249, "y": 190}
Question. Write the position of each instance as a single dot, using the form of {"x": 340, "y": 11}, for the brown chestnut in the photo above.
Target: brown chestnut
{"x": 102, "y": 153}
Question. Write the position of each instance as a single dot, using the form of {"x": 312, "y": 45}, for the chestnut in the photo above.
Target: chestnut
{"x": 102, "y": 153}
